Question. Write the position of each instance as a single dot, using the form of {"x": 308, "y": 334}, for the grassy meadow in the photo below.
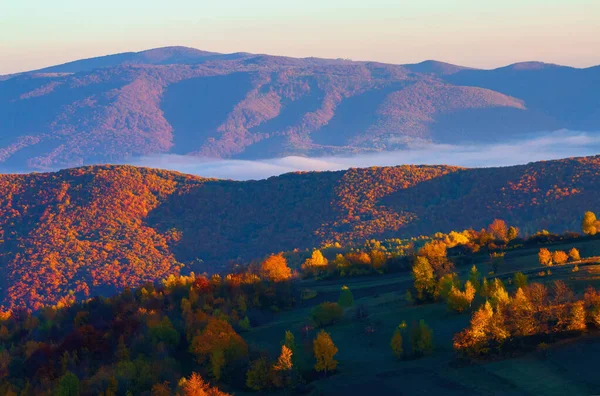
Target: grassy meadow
{"x": 364, "y": 344}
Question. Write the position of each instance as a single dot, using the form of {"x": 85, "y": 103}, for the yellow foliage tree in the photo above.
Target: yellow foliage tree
{"x": 499, "y": 296}
{"x": 324, "y": 350}
{"x": 545, "y": 257}
{"x": 577, "y": 317}
{"x": 461, "y": 300}
{"x": 589, "y": 223}
{"x": 436, "y": 253}
{"x": 574, "y": 255}
{"x": 521, "y": 314}
{"x": 424, "y": 280}
{"x": 559, "y": 257}
{"x": 315, "y": 262}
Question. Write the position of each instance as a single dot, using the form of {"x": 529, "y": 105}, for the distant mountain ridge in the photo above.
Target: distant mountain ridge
{"x": 95, "y": 230}
{"x": 186, "y": 101}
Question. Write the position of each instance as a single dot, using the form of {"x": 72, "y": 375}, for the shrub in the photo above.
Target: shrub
{"x": 520, "y": 280}
{"x": 327, "y": 313}
{"x": 421, "y": 339}
{"x": 346, "y": 298}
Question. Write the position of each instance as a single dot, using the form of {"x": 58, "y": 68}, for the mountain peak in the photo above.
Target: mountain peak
{"x": 531, "y": 65}
{"x": 435, "y": 67}
{"x": 154, "y": 56}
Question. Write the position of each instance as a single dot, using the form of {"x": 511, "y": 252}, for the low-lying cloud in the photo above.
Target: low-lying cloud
{"x": 556, "y": 145}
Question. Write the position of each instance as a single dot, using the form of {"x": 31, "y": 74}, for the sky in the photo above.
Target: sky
{"x": 477, "y": 33}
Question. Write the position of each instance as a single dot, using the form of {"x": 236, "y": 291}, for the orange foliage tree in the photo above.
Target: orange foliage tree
{"x": 275, "y": 268}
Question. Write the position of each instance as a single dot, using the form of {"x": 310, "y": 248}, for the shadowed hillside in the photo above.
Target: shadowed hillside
{"x": 95, "y": 230}
{"x": 185, "y": 101}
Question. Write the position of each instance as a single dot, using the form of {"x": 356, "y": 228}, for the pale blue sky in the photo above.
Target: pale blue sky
{"x": 480, "y": 33}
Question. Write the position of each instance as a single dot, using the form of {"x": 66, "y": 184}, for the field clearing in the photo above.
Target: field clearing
{"x": 364, "y": 355}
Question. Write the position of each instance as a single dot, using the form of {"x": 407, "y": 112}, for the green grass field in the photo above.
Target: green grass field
{"x": 365, "y": 359}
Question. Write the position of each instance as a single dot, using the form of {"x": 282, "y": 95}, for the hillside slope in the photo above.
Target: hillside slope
{"x": 185, "y": 101}
{"x": 95, "y": 230}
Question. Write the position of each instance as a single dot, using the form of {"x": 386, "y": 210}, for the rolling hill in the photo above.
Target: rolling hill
{"x": 185, "y": 101}
{"x": 95, "y": 230}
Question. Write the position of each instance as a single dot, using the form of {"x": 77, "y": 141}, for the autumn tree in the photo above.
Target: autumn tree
{"x": 421, "y": 339}
{"x": 498, "y": 295}
{"x": 574, "y": 255}
{"x": 316, "y": 262}
{"x": 512, "y": 233}
{"x": 378, "y": 259}
{"x": 592, "y": 305}
{"x": 561, "y": 293}
{"x": 445, "y": 284}
{"x": 437, "y": 254}
{"x": 424, "y": 280}
{"x": 545, "y": 257}
{"x": 559, "y": 257}
{"x": 161, "y": 389}
{"x": 577, "y": 317}
{"x": 341, "y": 262}
{"x": 289, "y": 342}
{"x": 498, "y": 229}
{"x": 487, "y": 329}
{"x": 284, "y": 362}
{"x": 454, "y": 238}
{"x": 275, "y": 268}
{"x": 283, "y": 368}
{"x": 461, "y": 300}
{"x": 346, "y": 298}
{"x": 396, "y": 343}
{"x": 196, "y": 386}
{"x": 589, "y": 223}
{"x": 324, "y": 350}
{"x": 359, "y": 259}
{"x": 521, "y": 314}
{"x": 219, "y": 343}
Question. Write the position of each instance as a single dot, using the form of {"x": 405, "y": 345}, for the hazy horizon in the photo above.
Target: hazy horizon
{"x": 466, "y": 32}
{"x": 520, "y": 151}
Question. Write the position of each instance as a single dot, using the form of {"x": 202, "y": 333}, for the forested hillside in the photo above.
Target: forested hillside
{"x": 185, "y": 101}
{"x": 95, "y": 230}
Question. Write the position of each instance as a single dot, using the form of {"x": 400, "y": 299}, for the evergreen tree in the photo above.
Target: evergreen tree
{"x": 475, "y": 278}
{"x": 68, "y": 385}
{"x": 346, "y": 298}
{"x": 520, "y": 280}
{"x": 421, "y": 339}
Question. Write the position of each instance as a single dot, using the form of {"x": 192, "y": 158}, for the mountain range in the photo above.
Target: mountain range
{"x": 186, "y": 101}
{"x": 98, "y": 229}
